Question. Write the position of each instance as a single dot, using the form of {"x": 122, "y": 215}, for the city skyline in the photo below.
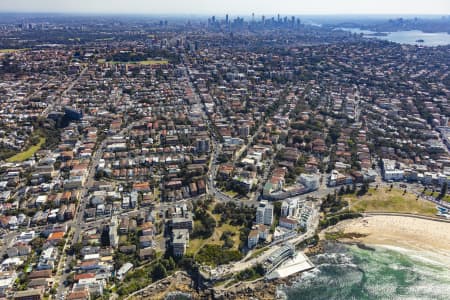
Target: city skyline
{"x": 200, "y": 7}
{"x": 229, "y": 150}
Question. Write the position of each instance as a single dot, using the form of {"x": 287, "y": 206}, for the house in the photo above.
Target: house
{"x": 78, "y": 277}
{"x": 47, "y": 259}
{"x": 253, "y": 238}
{"x": 12, "y": 252}
{"x": 30, "y": 294}
{"x": 124, "y": 270}
{"x": 258, "y": 232}
{"x": 39, "y": 283}
{"x": 146, "y": 241}
{"x": 124, "y": 225}
{"x": 127, "y": 249}
{"x": 79, "y": 295}
{"x": 288, "y": 223}
{"x": 40, "y": 274}
{"x": 147, "y": 253}
{"x": 55, "y": 237}
{"x": 7, "y": 280}
{"x": 143, "y": 187}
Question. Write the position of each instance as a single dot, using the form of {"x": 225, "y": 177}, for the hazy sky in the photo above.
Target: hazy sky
{"x": 220, "y": 7}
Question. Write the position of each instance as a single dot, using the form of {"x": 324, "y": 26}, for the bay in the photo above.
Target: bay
{"x": 410, "y": 37}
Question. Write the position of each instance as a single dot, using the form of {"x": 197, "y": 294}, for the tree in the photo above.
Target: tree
{"x": 37, "y": 243}
{"x": 348, "y": 190}
{"x": 443, "y": 190}
{"x": 364, "y": 189}
{"x": 158, "y": 272}
{"x": 277, "y": 208}
{"x": 169, "y": 263}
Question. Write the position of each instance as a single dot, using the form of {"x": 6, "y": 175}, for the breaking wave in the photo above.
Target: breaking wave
{"x": 349, "y": 272}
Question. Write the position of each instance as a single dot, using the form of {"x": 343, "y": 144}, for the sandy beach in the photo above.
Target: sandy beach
{"x": 398, "y": 231}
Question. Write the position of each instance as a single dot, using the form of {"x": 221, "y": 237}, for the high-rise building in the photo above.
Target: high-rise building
{"x": 244, "y": 130}
{"x": 264, "y": 213}
{"x": 180, "y": 241}
{"x": 113, "y": 237}
{"x": 202, "y": 145}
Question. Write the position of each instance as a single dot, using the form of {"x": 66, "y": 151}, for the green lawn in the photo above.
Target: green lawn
{"x": 256, "y": 253}
{"x": 11, "y": 50}
{"x": 231, "y": 194}
{"x": 196, "y": 244}
{"x": 27, "y": 153}
{"x": 154, "y": 62}
{"x": 214, "y": 255}
{"x": 385, "y": 200}
{"x": 106, "y": 39}
{"x": 149, "y": 62}
{"x": 436, "y": 195}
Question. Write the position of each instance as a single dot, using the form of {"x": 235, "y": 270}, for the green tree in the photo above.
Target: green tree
{"x": 443, "y": 190}
{"x": 158, "y": 272}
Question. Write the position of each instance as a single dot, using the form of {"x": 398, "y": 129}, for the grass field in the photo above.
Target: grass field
{"x": 436, "y": 195}
{"x": 10, "y": 50}
{"x": 105, "y": 39}
{"x": 27, "y": 153}
{"x": 154, "y": 62}
{"x": 385, "y": 200}
{"x": 256, "y": 253}
{"x": 231, "y": 194}
{"x": 149, "y": 62}
{"x": 196, "y": 244}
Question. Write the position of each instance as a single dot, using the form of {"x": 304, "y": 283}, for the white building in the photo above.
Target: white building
{"x": 288, "y": 223}
{"x": 393, "y": 175}
{"x": 258, "y": 232}
{"x": 390, "y": 170}
{"x": 264, "y": 213}
{"x": 310, "y": 181}
{"x": 180, "y": 241}
{"x": 289, "y": 207}
{"x": 113, "y": 237}
{"x": 124, "y": 270}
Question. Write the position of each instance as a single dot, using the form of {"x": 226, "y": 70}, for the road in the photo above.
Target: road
{"x": 78, "y": 225}
{"x": 52, "y": 104}
{"x": 236, "y": 267}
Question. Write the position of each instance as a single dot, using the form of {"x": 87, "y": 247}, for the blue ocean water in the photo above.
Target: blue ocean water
{"x": 348, "y": 272}
{"x": 410, "y": 37}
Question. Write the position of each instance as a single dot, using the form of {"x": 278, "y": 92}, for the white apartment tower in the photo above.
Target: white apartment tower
{"x": 264, "y": 213}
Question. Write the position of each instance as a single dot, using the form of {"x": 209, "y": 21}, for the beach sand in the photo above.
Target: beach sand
{"x": 398, "y": 231}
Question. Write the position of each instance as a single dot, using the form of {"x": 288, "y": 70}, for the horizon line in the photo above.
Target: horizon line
{"x": 220, "y": 14}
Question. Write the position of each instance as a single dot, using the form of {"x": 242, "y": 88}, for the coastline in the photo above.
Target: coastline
{"x": 397, "y": 232}
{"x": 424, "y": 240}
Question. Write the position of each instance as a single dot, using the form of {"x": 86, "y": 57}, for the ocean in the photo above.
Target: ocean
{"x": 349, "y": 272}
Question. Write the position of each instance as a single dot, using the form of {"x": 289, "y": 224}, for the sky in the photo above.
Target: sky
{"x": 221, "y": 7}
